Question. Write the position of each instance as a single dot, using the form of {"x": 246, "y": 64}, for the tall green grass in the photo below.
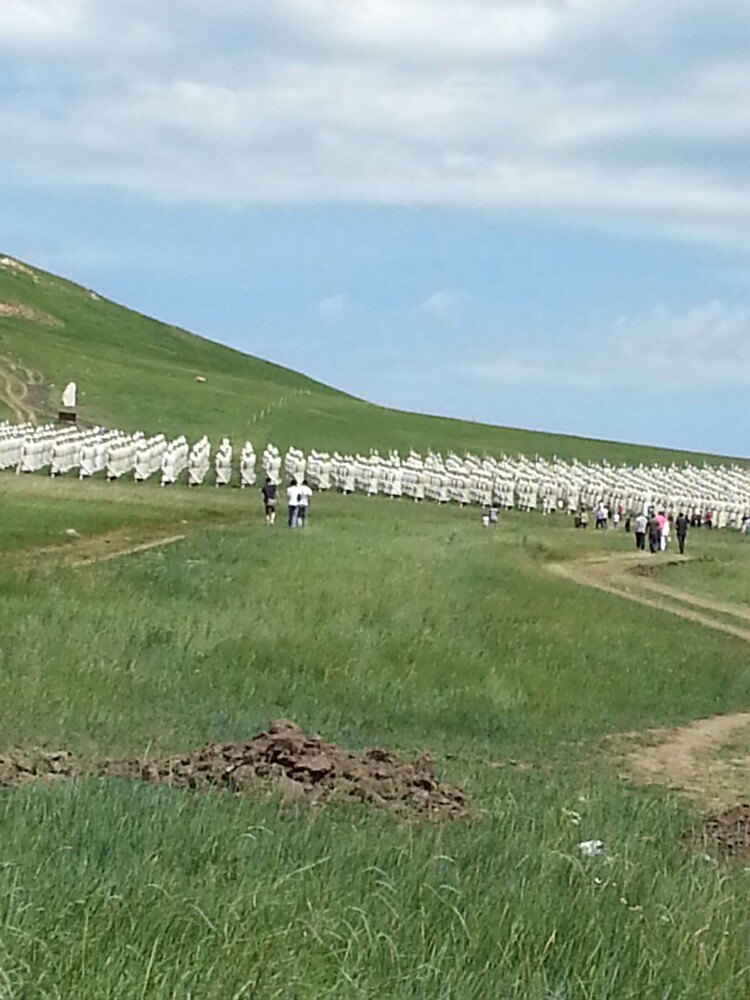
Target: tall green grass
{"x": 382, "y": 623}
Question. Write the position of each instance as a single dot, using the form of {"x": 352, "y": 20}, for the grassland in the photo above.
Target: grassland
{"x": 723, "y": 575}
{"x": 383, "y": 623}
{"x": 137, "y": 373}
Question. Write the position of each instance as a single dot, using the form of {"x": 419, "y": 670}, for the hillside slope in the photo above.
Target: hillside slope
{"x": 134, "y": 372}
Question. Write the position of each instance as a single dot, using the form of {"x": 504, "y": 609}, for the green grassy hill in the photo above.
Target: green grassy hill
{"x": 137, "y": 373}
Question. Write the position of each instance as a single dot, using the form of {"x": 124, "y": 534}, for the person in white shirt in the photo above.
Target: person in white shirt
{"x": 292, "y": 494}
{"x": 303, "y": 503}
{"x": 641, "y": 526}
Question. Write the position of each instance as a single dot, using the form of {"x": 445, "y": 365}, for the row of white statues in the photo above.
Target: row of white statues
{"x": 520, "y": 482}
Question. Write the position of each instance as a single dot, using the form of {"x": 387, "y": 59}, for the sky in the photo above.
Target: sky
{"x": 533, "y": 213}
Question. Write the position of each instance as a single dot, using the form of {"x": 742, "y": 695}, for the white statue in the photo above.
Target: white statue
{"x": 69, "y": 396}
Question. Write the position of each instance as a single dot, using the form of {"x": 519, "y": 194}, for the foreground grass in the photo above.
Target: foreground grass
{"x": 110, "y": 890}
{"x": 383, "y": 623}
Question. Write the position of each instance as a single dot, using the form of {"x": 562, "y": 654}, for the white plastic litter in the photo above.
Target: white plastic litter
{"x": 592, "y": 848}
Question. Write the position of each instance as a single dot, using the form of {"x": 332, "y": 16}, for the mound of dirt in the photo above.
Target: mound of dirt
{"x": 726, "y": 832}
{"x": 19, "y": 767}
{"x": 302, "y": 767}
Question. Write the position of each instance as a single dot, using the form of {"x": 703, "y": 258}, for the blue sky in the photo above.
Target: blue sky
{"x": 529, "y": 213}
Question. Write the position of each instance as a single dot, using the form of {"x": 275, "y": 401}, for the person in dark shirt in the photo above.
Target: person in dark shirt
{"x": 269, "y": 500}
{"x": 682, "y": 530}
{"x": 654, "y": 534}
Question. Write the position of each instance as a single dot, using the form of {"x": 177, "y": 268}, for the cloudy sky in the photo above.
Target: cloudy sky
{"x": 527, "y": 212}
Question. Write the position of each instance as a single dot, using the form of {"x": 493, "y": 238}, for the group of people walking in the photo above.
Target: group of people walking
{"x": 298, "y": 502}
{"x": 655, "y": 526}
{"x": 658, "y": 530}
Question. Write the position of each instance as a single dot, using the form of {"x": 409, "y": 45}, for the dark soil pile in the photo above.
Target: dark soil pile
{"x": 302, "y": 767}
{"x": 19, "y": 767}
{"x": 727, "y": 832}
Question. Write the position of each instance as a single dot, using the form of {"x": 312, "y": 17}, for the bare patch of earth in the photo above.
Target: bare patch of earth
{"x": 303, "y": 768}
{"x": 13, "y": 265}
{"x": 707, "y": 760}
{"x": 21, "y": 389}
{"x": 17, "y": 310}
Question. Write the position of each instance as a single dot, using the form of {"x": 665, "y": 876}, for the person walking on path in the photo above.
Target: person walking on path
{"x": 641, "y": 524}
{"x": 654, "y": 534}
{"x": 292, "y": 495}
{"x": 269, "y": 501}
{"x": 303, "y": 503}
{"x": 682, "y": 529}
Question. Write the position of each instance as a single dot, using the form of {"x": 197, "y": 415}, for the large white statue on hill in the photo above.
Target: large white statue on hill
{"x": 69, "y": 396}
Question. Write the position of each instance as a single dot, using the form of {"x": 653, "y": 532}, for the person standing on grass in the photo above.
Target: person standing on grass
{"x": 303, "y": 503}
{"x": 682, "y": 530}
{"x": 654, "y": 534}
{"x": 269, "y": 500}
{"x": 666, "y": 531}
{"x": 584, "y": 518}
{"x": 601, "y": 517}
{"x": 641, "y": 525}
{"x": 292, "y": 495}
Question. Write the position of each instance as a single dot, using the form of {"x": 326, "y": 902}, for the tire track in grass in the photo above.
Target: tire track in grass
{"x": 128, "y": 550}
{"x": 691, "y": 758}
{"x": 617, "y": 574}
{"x": 13, "y": 392}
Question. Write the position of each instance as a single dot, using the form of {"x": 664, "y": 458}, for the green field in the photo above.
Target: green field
{"x": 384, "y": 623}
{"x": 723, "y": 575}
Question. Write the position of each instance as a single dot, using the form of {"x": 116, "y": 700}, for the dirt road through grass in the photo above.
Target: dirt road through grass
{"x": 629, "y": 575}
{"x": 706, "y": 759}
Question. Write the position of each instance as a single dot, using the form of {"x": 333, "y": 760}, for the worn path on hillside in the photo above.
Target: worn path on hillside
{"x": 21, "y": 389}
{"x": 14, "y": 391}
{"x": 628, "y": 575}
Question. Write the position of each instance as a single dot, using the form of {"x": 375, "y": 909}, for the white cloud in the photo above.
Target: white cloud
{"x": 426, "y": 29}
{"x": 440, "y": 306}
{"x": 703, "y": 348}
{"x": 42, "y": 24}
{"x": 332, "y": 307}
{"x": 546, "y": 106}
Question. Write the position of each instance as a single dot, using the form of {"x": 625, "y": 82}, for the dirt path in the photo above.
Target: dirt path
{"x": 708, "y": 759}
{"x": 696, "y": 759}
{"x": 19, "y": 388}
{"x": 14, "y": 392}
{"x": 100, "y": 549}
{"x": 622, "y": 574}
